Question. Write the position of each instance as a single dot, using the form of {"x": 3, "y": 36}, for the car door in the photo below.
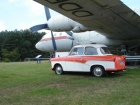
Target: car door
{"x": 88, "y": 59}
{"x": 74, "y": 62}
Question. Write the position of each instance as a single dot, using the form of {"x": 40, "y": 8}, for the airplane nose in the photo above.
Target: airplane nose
{"x": 39, "y": 46}
{"x": 44, "y": 46}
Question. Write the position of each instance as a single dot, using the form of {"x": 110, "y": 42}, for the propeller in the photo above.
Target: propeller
{"x": 69, "y": 33}
{"x": 53, "y": 42}
{"x": 71, "y": 37}
{"x": 38, "y": 27}
{"x": 47, "y": 12}
{"x": 48, "y": 16}
{"x": 43, "y": 26}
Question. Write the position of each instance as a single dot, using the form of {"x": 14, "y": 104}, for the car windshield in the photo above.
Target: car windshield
{"x": 77, "y": 51}
{"x": 105, "y": 50}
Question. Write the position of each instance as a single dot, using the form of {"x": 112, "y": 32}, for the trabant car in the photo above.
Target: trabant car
{"x": 94, "y": 58}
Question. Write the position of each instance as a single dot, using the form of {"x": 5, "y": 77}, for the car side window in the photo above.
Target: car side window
{"x": 77, "y": 51}
{"x": 90, "y": 51}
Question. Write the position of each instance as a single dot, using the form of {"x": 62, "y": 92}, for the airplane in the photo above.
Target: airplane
{"x": 66, "y": 40}
{"x": 112, "y": 19}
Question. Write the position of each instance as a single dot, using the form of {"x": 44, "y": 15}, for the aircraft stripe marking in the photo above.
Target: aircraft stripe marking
{"x": 56, "y": 38}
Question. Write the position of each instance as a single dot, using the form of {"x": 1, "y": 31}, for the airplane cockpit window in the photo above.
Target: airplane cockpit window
{"x": 105, "y": 50}
{"x": 77, "y": 51}
{"x": 90, "y": 51}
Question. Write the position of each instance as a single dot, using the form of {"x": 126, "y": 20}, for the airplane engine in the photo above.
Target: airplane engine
{"x": 63, "y": 23}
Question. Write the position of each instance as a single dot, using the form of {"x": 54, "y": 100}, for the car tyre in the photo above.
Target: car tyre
{"x": 58, "y": 69}
{"x": 98, "y": 71}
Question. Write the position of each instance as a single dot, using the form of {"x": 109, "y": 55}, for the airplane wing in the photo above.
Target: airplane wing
{"x": 111, "y": 18}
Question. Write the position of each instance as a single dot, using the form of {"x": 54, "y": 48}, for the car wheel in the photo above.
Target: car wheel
{"x": 98, "y": 71}
{"x": 58, "y": 70}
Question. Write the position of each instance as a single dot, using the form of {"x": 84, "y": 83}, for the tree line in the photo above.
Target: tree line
{"x": 18, "y": 45}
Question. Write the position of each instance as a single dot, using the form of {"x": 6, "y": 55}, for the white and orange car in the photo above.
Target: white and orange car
{"x": 94, "y": 58}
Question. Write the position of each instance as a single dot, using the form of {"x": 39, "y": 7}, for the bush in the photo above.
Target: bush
{"x": 6, "y": 60}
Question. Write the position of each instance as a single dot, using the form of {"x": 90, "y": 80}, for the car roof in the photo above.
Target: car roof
{"x": 93, "y": 45}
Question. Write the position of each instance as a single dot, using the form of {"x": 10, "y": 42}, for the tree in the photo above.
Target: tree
{"x": 18, "y": 45}
{"x": 10, "y": 56}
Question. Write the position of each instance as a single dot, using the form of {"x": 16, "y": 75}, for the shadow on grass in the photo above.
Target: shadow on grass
{"x": 78, "y": 74}
{"x": 88, "y": 74}
{"x": 113, "y": 75}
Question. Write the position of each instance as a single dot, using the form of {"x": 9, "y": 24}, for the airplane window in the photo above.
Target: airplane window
{"x": 77, "y": 51}
{"x": 105, "y": 50}
{"x": 90, "y": 51}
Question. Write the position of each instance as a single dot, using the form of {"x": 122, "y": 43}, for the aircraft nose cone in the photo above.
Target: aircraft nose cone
{"x": 39, "y": 46}
{"x": 44, "y": 46}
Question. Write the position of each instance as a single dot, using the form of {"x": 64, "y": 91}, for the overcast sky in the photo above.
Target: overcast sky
{"x": 22, "y": 14}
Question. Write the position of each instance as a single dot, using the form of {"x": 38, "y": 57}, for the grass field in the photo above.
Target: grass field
{"x": 28, "y": 83}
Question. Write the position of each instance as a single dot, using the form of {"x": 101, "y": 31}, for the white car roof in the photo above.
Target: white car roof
{"x": 93, "y": 45}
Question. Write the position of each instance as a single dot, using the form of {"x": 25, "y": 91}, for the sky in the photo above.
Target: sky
{"x": 22, "y": 14}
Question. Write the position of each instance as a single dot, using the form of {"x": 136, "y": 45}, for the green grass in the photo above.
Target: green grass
{"x": 28, "y": 83}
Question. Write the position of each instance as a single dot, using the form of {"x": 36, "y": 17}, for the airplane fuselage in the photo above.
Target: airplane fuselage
{"x": 65, "y": 42}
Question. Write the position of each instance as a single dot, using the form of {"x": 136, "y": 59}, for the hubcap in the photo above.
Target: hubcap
{"x": 97, "y": 71}
{"x": 58, "y": 70}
